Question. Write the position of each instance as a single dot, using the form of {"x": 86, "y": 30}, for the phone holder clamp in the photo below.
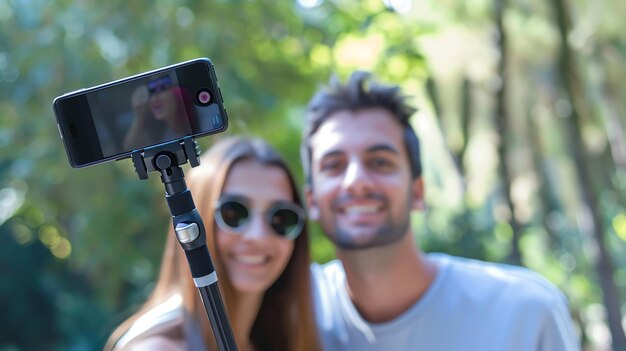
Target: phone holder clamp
{"x": 155, "y": 158}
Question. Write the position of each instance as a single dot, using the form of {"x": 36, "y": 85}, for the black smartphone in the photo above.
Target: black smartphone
{"x": 112, "y": 120}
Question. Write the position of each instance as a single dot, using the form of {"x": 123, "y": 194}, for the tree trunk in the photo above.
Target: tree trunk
{"x": 612, "y": 122}
{"x": 466, "y": 115}
{"x": 576, "y": 96}
{"x": 549, "y": 201}
{"x": 433, "y": 93}
{"x": 501, "y": 115}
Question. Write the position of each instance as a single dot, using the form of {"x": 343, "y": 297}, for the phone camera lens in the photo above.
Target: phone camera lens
{"x": 204, "y": 97}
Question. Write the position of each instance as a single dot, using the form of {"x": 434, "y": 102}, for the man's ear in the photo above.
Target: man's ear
{"x": 417, "y": 194}
{"x": 312, "y": 210}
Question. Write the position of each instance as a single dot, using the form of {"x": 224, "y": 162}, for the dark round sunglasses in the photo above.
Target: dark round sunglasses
{"x": 233, "y": 214}
{"x": 159, "y": 84}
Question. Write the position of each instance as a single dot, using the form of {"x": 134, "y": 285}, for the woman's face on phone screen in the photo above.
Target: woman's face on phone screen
{"x": 163, "y": 105}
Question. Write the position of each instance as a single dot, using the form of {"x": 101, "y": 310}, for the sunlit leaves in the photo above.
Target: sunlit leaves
{"x": 619, "y": 225}
{"x": 92, "y": 238}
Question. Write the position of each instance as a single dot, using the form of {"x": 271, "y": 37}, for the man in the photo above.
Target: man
{"x": 362, "y": 163}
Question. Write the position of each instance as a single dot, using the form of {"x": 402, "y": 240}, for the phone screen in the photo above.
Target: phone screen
{"x": 112, "y": 120}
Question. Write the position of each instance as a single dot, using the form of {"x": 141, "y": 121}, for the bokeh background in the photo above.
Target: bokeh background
{"x": 522, "y": 113}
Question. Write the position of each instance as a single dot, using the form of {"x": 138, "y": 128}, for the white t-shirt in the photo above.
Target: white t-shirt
{"x": 470, "y": 305}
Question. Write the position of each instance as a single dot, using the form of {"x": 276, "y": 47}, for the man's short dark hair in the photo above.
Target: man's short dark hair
{"x": 357, "y": 94}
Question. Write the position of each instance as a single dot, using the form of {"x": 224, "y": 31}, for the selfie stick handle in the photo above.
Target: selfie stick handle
{"x": 188, "y": 227}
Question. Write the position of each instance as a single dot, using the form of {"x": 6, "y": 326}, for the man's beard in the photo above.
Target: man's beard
{"x": 386, "y": 234}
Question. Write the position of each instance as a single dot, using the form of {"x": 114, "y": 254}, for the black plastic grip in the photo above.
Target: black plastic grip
{"x": 180, "y": 203}
{"x": 200, "y": 261}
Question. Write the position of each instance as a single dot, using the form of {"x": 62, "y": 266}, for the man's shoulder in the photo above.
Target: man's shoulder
{"x": 331, "y": 271}
{"x": 498, "y": 280}
{"x": 330, "y": 266}
{"x": 515, "y": 296}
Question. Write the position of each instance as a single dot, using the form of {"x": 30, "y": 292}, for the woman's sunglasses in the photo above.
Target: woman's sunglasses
{"x": 159, "y": 84}
{"x": 233, "y": 214}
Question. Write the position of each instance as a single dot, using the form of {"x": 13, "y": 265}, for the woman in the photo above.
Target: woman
{"x": 259, "y": 244}
{"x": 163, "y": 112}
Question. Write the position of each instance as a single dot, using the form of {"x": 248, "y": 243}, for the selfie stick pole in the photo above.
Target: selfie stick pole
{"x": 188, "y": 226}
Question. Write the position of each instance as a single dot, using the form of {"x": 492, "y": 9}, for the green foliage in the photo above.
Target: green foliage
{"x": 80, "y": 249}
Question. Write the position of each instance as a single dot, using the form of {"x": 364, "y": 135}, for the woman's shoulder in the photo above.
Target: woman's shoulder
{"x": 156, "y": 343}
{"x": 154, "y": 325}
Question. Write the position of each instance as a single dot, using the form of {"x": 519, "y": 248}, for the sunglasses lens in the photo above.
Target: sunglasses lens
{"x": 158, "y": 85}
{"x": 234, "y": 214}
{"x": 286, "y": 222}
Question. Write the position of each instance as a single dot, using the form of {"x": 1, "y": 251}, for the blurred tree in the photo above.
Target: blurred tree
{"x": 501, "y": 122}
{"x": 79, "y": 249}
{"x": 574, "y": 92}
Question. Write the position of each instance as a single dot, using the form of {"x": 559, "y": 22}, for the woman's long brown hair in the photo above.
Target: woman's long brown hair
{"x": 285, "y": 320}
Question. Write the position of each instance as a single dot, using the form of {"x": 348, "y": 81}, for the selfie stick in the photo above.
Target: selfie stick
{"x": 188, "y": 226}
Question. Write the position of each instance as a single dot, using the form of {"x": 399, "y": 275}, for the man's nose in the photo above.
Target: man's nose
{"x": 357, "y": 180}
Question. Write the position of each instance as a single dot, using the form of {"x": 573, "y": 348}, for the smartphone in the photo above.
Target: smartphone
{"x": 112, "y": 120}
